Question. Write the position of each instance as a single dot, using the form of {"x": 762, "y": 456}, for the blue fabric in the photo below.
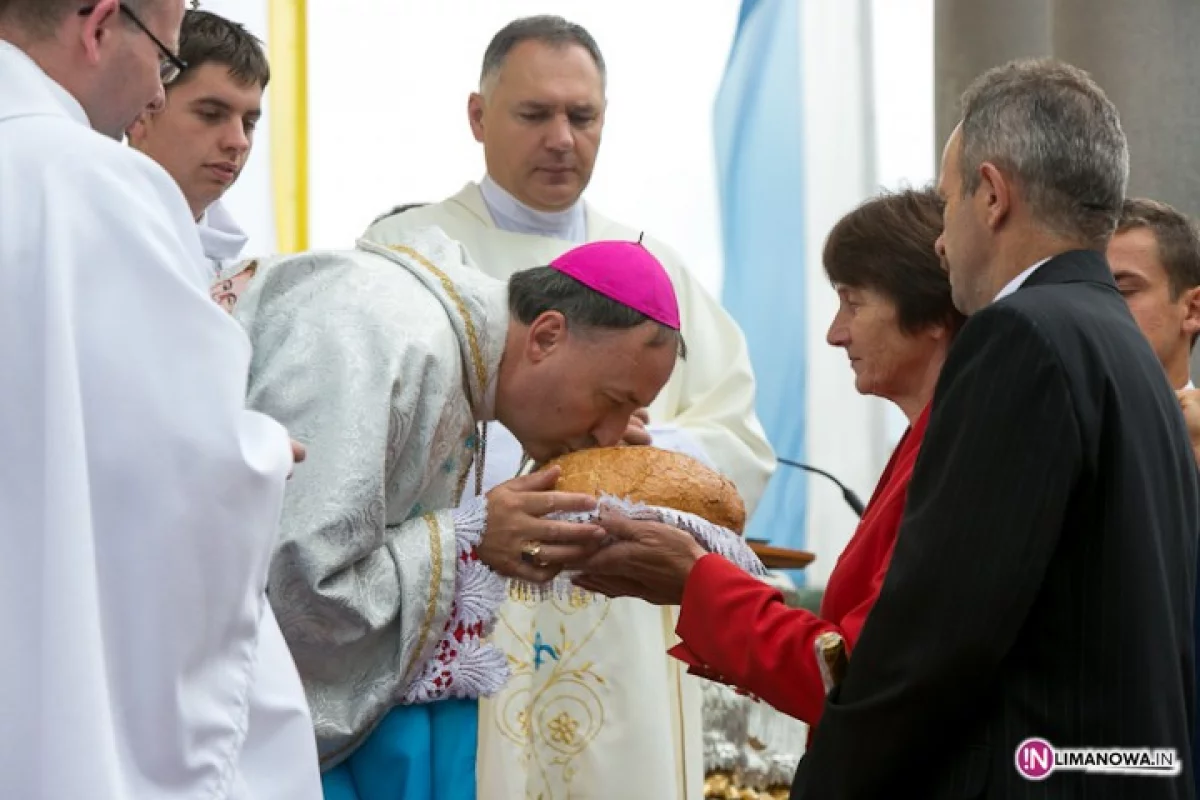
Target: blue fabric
{"x": 423, "y": 752}
{"x": 759, "y": 142}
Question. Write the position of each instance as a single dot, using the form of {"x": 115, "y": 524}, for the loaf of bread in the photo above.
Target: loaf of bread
{"x": 655, "y": 477}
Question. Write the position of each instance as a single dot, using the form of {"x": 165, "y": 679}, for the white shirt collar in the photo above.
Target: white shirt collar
{"x": 510, "y": 214}
{"x": 222, "y": 238}
{"x": 1019, "y": 281}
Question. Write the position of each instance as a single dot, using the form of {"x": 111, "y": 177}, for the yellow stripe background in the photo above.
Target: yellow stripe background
{"x": 287, "y": 40}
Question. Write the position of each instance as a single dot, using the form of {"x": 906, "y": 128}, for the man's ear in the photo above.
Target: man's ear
{"x": 136, "y": 132}
{"x": 1190, "y": 326}
{"x": 547, "y": 334}
{"x": 998, "y": 193}
{"x": 98, "y": 26}
{"x": 475, "y": 115}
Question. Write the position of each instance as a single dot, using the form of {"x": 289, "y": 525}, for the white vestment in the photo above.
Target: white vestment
{"x": 140, "y": 499}
{"x": 221, "y": 237}
{"x": 595, "y": 707}
{"x": 379, "y": 360}
{"x": 281, "y": 727}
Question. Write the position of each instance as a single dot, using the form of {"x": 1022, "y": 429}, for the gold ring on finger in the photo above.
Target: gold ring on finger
{"x": 530, "y": 552}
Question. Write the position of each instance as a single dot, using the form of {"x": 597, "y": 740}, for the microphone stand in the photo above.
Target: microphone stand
{"x": 848, "y": 494}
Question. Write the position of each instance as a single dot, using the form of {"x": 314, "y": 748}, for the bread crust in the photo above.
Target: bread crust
{"x": 656, "y": 477}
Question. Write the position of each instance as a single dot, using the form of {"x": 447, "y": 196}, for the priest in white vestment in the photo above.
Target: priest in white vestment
{"x": 202, "y": 135}
{"x": 222, "y": 238}
{"x": 595, "y": 707}
{"x": 140, "y": 499}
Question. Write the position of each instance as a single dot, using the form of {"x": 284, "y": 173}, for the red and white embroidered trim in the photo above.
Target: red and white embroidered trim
{"x": 464, "y": 665}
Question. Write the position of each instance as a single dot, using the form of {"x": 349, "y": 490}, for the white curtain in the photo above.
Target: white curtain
{"x": 868, "y": 81}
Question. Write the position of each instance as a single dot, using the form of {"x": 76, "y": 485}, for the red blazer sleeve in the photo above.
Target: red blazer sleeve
{"x": 738, "y": 630}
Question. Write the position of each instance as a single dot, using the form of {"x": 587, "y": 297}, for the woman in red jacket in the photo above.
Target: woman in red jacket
{"x": 895, "y": 321}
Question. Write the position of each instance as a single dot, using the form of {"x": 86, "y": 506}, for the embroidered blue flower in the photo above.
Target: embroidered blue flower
{"x": 539, "y": 647}
{"x": 448, "y": 466}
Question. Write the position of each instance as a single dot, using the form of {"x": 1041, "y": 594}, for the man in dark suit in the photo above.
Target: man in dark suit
{"x": 1044, "y": 576}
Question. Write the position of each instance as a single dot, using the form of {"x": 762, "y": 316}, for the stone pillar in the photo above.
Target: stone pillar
{"x": 1144, "y": 53}
{"x": 970, "y": 36}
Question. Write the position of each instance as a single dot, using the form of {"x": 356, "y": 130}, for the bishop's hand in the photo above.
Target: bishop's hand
{"x": 520, "y": 543}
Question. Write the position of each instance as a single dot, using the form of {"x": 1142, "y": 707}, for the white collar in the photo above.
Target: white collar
{"x": 510, "y": 214}
{"x": 222, "y": 237}
{"x": 1019, "y": 281}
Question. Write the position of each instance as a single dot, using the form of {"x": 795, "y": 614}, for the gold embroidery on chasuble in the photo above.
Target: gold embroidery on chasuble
{"x": 435, "y": 583}
{"x": 477, "y": 442}
{"x": 555, "y": 703}
{"x": 448, "y": 285}
{"x": 416, "y": 659}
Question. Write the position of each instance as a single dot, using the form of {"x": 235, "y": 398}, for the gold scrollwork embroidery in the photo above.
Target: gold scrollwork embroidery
{"x": 435, "y": 585}
{"x": 576, "y": 600}
{"x": 460, "y": 304}
{"x": 479, "y": 440}
{"x": 553, "y": 719}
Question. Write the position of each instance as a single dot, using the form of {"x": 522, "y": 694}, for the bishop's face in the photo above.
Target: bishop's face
{"x": 540, "y": 121}
{"x": 574, "y": 389}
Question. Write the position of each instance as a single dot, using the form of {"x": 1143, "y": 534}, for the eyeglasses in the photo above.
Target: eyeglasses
{"x": 169, "y": 64}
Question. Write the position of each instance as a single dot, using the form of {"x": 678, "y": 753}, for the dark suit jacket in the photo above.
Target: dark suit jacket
{"x": 1043, "y": 580}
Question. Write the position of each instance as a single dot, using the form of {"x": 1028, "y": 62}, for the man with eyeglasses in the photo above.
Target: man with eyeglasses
{"x": 139, "y": 499}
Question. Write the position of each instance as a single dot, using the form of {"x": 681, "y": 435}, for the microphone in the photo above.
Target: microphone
{"x": 848, "y": 494}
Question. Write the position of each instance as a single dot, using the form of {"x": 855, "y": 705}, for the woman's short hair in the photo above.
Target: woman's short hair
{"x": 887, "y": 245}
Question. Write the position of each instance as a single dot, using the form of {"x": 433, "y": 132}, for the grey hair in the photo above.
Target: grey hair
{"x": 533, "y": 292}
{"x": 1055, "y": 130}
{"x": 545, "y": 28}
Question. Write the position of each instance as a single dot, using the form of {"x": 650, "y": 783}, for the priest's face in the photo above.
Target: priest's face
{"x": 203, "y": 135}
{"x": 127, "y": 52}
{"x": 567, "y": 389}
{"x": 539, "y": 120}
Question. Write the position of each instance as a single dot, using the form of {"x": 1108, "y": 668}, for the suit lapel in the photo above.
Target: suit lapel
{"x": 1074, "y": 266}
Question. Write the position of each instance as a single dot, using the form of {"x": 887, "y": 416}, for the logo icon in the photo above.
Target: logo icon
{"x": 1035, "y": 759}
